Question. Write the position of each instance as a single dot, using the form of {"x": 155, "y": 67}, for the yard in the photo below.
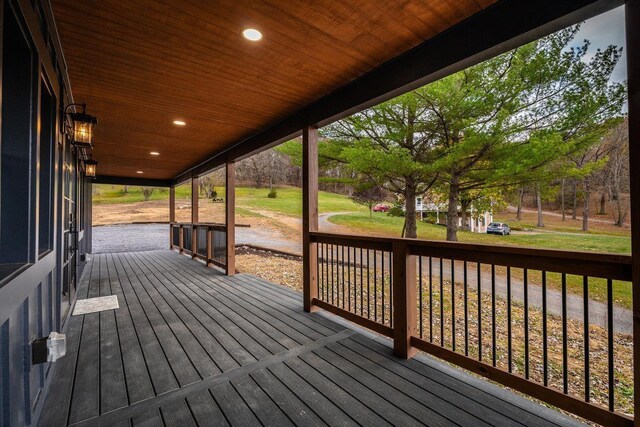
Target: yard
{"x": 283, "y": 214}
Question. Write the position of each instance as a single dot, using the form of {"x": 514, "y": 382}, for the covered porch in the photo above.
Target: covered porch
{"x": 191, "y": 346}
{"x": 194, "y": 344}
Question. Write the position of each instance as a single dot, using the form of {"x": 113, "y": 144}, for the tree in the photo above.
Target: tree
{"x": 500, "y": 123}
{"x": 540, "y": 222}
{"x": 267, "y": 167}
{"x": 389, "y": 146}
{"x": 368, "y": 195}
{"x": 587, "y": 163}
{"x": 521, "y": 191}
{"x": 503, "y": 123}
{"x": 613, "y": 178}
{"x": 147, "y": 192}
{"x": 207, "y": 183}
{"x": 562, "y": 204}
{"x": 207, "y": 186}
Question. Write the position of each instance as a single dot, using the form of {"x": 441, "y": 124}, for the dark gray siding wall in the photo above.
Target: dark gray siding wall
{"x": 32, "y": 303}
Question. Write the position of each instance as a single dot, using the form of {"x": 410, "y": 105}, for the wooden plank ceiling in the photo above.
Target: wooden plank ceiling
{"x": 140, "y": 65}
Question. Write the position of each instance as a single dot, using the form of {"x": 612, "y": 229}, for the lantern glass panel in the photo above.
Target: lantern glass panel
{"x": 82, "y": 132}
{"x": 90, "y": 170}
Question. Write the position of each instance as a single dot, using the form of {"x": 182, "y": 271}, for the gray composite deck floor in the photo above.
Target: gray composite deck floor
{"x": 190, "y": 346}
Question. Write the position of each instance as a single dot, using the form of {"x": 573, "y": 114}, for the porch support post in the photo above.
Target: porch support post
{"x": 195, "y": 190}
{"x": 172, "y": 213}
{"x": 230, "y": 218}
{"x": 405, "y": 300}
{"x": 632, "y": 17}
{"x": 309, "y": 216}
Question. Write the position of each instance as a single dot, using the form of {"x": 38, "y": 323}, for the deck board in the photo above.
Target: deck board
{"x": 190, "y": 346}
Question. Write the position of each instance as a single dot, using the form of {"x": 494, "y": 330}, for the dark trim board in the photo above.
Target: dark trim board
{"x": 499, "y": 28}
{"x": 189, "y": 345}
{"x": 145, "y": 182}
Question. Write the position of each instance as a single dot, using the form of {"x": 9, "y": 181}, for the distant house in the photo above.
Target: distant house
{"x": 475, "y": 221}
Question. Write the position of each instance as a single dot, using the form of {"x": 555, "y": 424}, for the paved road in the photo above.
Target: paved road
{"x": 142, "y": 237}
{"x": 130, "y": 238}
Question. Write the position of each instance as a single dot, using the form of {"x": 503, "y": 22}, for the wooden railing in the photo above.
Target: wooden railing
{"x": 204, "y": 241}
{"x": 522, "y": 317}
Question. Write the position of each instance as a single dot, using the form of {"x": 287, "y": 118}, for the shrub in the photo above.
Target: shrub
{"x": 430, "y": 217}
{"x": 396, "y": 209}
{"x": 273, "y": 193}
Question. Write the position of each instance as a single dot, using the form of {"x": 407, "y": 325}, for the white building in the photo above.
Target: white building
{"x": 475, "y": 221}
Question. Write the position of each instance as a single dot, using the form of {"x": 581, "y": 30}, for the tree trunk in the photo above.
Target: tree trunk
{"x": 620, "y": 215}
{"x": 464, "y": 207}
{"x": 585, "y": 211}
{"x": 539, "y": 204}
{"x": 574, "y": 214}
{"x": 562, "y": 200}
{"x": 520, "y": 201}
{"x": 603, "y": 203}
{"x": 411, "y": 227}
{"x": 452, "y": 211}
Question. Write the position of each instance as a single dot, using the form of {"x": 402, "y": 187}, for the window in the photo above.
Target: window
{"x": 17, "y": 219}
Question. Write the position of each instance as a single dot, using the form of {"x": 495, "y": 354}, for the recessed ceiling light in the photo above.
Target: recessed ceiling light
{"x": 154, "y": 153}
{"x": 139, "y": 172}
{"x": 179, "y": 122}
{"x": 252, "y": 34}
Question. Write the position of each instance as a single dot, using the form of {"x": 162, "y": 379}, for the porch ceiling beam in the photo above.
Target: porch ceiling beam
{"x": 143, "y": 182}
{"x": 499, "y": 28}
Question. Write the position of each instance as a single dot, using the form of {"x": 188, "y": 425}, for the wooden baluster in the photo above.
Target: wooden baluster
{"x": 181, "y": 238}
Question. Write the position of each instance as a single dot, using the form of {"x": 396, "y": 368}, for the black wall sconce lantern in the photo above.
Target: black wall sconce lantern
{"x": 90, "y": 166}
{"x": 82, "y": 125}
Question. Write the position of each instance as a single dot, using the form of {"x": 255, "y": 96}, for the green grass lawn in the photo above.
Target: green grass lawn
{"x": 109, "y": 194}
{"x": 392, "y": 226}
{"x": 288, "y": 202}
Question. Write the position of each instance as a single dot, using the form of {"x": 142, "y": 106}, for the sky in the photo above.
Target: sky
{"x": 604, "y": 30}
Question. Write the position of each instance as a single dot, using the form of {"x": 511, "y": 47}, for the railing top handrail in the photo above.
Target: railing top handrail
{"x": 615, "y": 266}
{"x": 212, "y": 225}
{"x": 208, "y": 224}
